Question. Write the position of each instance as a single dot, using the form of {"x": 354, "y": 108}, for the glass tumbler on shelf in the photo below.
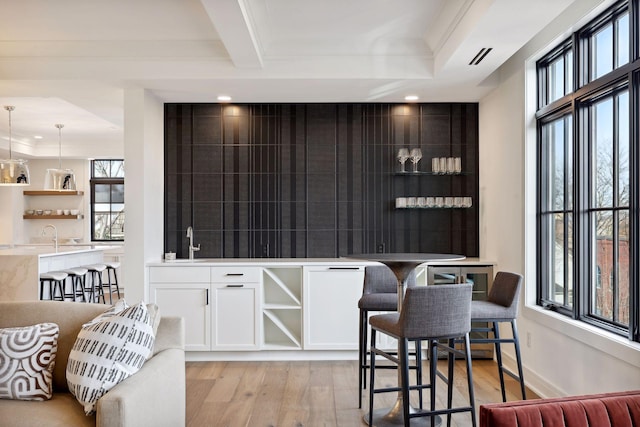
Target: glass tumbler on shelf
{"x": 416, "y": 155}
{"x": 403, "y": 156}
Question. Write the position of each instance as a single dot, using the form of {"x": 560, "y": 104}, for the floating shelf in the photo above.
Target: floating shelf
{"x": 53, "y": 193}
{"x": 80, "y": 216}
{"x": 419, "y": 173}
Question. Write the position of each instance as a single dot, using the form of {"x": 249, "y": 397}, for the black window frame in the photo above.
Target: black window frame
{"x": 102, "y": 181}
{"x": 586, "y": 91}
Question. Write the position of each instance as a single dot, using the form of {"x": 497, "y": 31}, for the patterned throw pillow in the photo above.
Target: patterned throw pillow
{"x": 108, "y": 351}
{"x": 27, "y": 357}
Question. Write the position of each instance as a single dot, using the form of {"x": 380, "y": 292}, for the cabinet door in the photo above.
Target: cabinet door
{"x": 190, "y": 301}
{"x": 236, "y": 309}
{"x": 330, "y": 307}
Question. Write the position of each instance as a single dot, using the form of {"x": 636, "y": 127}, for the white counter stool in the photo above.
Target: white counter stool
{"x": 55, "y": 280}
{"x": 112, "y": 266}
{"x": 438, "y": 315}
{"x": 94, "y": 287}
{"x": 77, "y": 276}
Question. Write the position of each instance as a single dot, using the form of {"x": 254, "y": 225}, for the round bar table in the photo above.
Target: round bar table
{"x": 402, "y": 264}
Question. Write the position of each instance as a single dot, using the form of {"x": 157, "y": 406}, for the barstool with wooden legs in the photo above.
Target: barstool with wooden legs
{"x": 112, "y": 266}
{"x": 77, "y": 276}
{"x": 95, "y": 286}
{"x": 55, "y": 280}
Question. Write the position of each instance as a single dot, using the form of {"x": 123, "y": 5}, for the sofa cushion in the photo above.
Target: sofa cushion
{"x": 107, "y": 352}
{"x": 62, "y": 410}
{"x": 27, "y": 358}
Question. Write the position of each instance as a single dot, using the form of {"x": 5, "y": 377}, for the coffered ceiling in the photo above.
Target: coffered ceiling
{"x": 69, "y": 61}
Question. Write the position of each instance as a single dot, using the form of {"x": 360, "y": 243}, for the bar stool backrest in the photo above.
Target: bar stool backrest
{"x": 379, "y": 279}
{"x": 436, "y": 311}
{"x": 505, "y": 291}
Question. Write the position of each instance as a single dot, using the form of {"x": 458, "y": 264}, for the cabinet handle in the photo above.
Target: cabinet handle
{"x": 344, "y": 268}
{"x": 235, "y": 286}
{"x": 234, "y": 274}
{"x": 207, "y": 290}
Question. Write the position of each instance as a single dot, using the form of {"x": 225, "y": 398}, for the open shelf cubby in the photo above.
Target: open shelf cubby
{"x": 282, "y": 329}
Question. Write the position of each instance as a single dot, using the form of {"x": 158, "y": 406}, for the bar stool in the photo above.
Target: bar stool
{"x": 112, "y": 266}
{"x": 55, "y": 279}
{"x": 77, "y": 276}
{"x": 379, "y": 293}
{"x": 429, "y": 313}
{"x": 95, "y": 287}
{"x": 501, "y": 306}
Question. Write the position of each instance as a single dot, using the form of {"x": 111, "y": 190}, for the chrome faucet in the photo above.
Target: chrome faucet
{"x": 192, "y": 248}
{"x": 55, "y": 234}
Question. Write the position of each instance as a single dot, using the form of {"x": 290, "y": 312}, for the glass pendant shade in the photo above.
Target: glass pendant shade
{"x": 13, "y": 172}
{"x": 60, "y": 179}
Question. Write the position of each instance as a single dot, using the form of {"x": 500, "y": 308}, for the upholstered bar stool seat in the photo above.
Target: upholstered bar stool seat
{"x": 77, "y": 276}
{"x": 95, "y": 286}
{"x": 379, "y": 293}
{"x": 55, "y": 280}
{"x": 110, "y": 284}
{"x": 438, "y": 315}
{"x": 501, "y": 306}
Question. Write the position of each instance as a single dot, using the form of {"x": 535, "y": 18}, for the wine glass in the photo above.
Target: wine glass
{"x": 403, "y": 156}
{"x": 416, "y": 155}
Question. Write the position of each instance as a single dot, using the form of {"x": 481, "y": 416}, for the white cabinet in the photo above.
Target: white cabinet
{"x": 220, "y": 306}
{"x": 236, "y": 308}
{"x": 331, "y": 313}
{"x": 184, "y": 292}
{"x": 282, "y": 308}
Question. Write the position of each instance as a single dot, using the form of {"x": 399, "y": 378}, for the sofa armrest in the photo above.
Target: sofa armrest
{"x": 154, "y": 396}
{"x": 170, "y": 334}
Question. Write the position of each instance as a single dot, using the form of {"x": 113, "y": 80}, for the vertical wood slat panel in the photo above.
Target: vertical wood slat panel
{"x": 316, "y": 180}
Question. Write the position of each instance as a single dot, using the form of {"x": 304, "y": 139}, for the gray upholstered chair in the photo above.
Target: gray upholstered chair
{"x": 379, "y": 293}
{"x": 501, "y": 306}
{"x": 429, "y": 313}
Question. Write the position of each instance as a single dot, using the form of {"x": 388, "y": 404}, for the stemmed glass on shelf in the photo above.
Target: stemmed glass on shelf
{"x": 416, "y": 155}
{"x": 403, "y": 156}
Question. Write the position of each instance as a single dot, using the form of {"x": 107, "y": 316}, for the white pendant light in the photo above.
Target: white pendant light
{"x": 13, "y": 172}
{"x": 60, "y": 179}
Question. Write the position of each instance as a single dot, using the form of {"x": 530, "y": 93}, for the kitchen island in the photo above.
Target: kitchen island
{"x": 20, "y": 267}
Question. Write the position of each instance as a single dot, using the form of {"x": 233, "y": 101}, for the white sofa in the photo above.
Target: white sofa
{"x": 154, "y": 396}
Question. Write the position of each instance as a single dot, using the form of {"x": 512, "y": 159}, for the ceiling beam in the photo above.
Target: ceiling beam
{"x": 232, "y": 22}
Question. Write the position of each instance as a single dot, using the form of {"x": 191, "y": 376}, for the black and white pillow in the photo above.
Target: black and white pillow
{"x": 108, "y": 351}
{"x": 27, "y": 358}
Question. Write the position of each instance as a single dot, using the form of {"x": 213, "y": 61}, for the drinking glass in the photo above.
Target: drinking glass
{"x": 403, "y": 156}
{"x": 416, "y": 155}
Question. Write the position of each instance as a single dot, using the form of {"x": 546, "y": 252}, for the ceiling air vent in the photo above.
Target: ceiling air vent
{"x": 480, "y": 55}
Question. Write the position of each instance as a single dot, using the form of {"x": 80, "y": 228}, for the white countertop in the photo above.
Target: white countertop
{"x": 48, "y": 250}
{"x": 208, "y": 262}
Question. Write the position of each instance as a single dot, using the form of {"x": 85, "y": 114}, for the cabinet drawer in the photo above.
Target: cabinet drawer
{"x": 235, "y": 274}
{"x": 179, "y": 275}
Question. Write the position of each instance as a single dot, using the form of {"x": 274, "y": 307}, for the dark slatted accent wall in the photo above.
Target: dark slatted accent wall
{"x": 315, "y": 180}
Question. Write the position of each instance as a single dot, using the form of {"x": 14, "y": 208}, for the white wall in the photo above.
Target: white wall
{"x": 144, "y": 191}
{"x": 560, "y": 356}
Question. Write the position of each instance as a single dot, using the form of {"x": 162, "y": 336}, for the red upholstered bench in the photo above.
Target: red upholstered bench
{"x": 620, "y": 409}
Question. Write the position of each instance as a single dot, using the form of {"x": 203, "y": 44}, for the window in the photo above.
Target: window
{"x": 107, "y": 200}
{"x": 556, "y": 72}
{"x": 588, "y": 174}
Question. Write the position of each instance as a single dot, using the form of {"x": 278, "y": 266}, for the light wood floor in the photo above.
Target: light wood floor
{"x": 311, "y": 393}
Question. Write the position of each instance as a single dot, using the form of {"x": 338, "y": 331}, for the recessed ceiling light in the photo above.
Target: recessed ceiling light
{"x": 37, "y": 136}
{"x": 224, "y": 98}
{"x": 411, "y": 98}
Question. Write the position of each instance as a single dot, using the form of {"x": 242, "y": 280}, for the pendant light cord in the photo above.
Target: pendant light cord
{"x": 9, "y": 108}
{"x": 59, "y": 126}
